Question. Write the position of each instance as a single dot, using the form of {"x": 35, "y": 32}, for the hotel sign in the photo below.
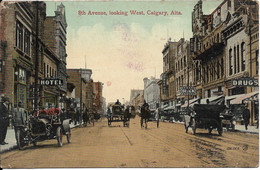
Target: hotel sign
{"x": 52, "y": 82}
{"x": 245, "y": 82}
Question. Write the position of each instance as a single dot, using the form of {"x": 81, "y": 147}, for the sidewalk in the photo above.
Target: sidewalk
{"x": 10, "y": 139}
{"x": 251, "y": 129}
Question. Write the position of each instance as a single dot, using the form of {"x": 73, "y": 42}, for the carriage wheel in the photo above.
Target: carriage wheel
{"x": 59, "y": 136}
{"x": 20, "y": 139}
{"x": 193, "y": 126}
{"x": 220, "y": 129}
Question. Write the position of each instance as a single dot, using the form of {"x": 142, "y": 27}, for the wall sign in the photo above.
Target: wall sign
{"x": 51, "y": 82}
{"x": 245, "y": 82}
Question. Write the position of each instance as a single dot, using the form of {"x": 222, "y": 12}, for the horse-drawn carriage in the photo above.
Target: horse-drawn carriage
{"x": 43, "y": 125}
{"x": 205, "y": 116}
{"x": 118, "y": 115}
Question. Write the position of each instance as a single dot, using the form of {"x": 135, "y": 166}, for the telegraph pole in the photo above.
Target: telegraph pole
{"x": 36, "y": 88}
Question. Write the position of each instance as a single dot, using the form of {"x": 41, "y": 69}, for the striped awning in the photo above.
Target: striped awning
{"x": 240, "y": 98}
{"x": 190, "y": 102}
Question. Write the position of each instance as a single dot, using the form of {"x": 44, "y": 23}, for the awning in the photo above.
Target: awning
{"x": 190, "y": 102}
{"x": 240, "y": 98}
{"x": 211, "y": 99}
{"x": 170, "y": 108}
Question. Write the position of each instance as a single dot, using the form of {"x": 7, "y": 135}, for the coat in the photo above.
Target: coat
{"x": 4, "y": 117}
{"x": 19, "y": 116}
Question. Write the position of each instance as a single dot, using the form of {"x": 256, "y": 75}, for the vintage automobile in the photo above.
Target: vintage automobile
{"x": 43, "y": 125}
{"x": 228, "y": 120}
{"x": 205, "y": 116}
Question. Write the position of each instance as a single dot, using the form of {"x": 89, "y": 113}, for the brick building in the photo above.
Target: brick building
{"x": 98, "y": 100}
{"x": 16, "y": 59}
{"x": 167, "y": 87}
{"x": 78, "y": 77}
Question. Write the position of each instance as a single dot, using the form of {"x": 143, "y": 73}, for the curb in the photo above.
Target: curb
{"x": 15, "y": 146}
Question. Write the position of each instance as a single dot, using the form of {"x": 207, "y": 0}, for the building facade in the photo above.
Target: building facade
{"x": 151, "y": 92}
{"x": 98, "y": 99}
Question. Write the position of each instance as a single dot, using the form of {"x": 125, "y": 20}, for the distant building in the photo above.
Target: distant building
{"x": 133, "y": 94}
{"x": 98, "y": 99}
{"x": 151, "y": 92}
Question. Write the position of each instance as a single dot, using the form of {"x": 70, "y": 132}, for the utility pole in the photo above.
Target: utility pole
{"x": 36, "y": 87}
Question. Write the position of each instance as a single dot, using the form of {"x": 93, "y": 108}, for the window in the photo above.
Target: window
{"x": 1, "y": 65}
{"x": 19, "y": 35}
{"x": 209, "y": 94}
{"x": 27, "y": 41}
{"x": 229, "y": 4}
{"x": 218, "y": 73}
{"x": 222, "y": 67}
{"x": 22, "y": 75}
{"x": 230, "y": 62}
{"x": 52, "y": 72}
{"x": 238, "y": 60}
{"x": 219, "y": 89}
{"x": 243, "y": 61}
{"x": 47, "y": 70}
{"x": 44, "y": 69}
{"x": 184, "y": 61}
{"x": 256, "y": 60}
{"x": 235, "y": 61}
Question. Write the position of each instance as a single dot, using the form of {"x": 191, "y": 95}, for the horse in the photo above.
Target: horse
{"x": 145, "y": 115}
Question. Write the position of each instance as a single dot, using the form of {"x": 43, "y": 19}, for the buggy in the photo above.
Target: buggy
{"x": 118, "y": 115}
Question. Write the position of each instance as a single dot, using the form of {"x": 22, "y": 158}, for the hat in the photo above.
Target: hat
{"x": 5, "y": 98}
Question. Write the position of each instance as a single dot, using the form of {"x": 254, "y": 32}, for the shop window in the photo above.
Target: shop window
{"x": 243, "y": 61}
{"x": 256, "y": 60}
{"x": 238, "y": 60}
{"x": 19, "y": 35}
{"x": 22, "y": 75}
{"x": 27, "y": 41}
{"x": 230, "y": 62}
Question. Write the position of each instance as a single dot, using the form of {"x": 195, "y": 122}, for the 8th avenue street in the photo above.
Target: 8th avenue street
{"x": 117, "y": 146}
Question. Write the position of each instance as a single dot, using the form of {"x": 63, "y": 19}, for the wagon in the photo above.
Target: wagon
{"x": 43, "y": 125}
{"x": 118, "y": 115}
{"x": 204, "y": 116}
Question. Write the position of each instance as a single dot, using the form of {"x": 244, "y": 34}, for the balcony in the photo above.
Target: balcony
{"x": 214, "y": 49}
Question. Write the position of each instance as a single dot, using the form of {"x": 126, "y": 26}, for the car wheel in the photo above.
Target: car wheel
{"x": 59, "y": 136}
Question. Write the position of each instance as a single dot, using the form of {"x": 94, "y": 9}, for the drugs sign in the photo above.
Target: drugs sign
{"x": 245, "y": 82}
{"x": 188, "y": 90}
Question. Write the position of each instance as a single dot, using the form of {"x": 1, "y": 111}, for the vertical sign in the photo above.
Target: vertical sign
{"x": 191, "y": 44}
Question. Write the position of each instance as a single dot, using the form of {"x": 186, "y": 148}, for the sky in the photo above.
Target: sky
{"x": 121, "y": 50}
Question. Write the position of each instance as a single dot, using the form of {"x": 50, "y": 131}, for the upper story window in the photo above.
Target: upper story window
{"x": 19, "y": 35}
{"x": 243, "y": 61}
{"x": 27, "y": 41}
{"x": 256, "y": 60}
{"x": 230, "y": 62}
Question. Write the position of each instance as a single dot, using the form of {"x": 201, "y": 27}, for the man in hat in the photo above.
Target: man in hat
{"x": 246, "y": 116}
{"x": 4, "y": 119}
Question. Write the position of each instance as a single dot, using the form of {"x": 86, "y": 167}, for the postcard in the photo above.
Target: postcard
{"x": 129, "y": 84}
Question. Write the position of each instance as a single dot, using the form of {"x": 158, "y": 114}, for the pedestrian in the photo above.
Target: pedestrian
{"x": 4, "y": 119}
{"x": 157, "y": 116}
{"x": 85, "y": 117}
{"x": 246, "y": 116}
{"x": 19, "y": 118}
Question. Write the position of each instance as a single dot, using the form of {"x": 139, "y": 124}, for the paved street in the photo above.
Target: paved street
{"x": 117, "y": 146}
